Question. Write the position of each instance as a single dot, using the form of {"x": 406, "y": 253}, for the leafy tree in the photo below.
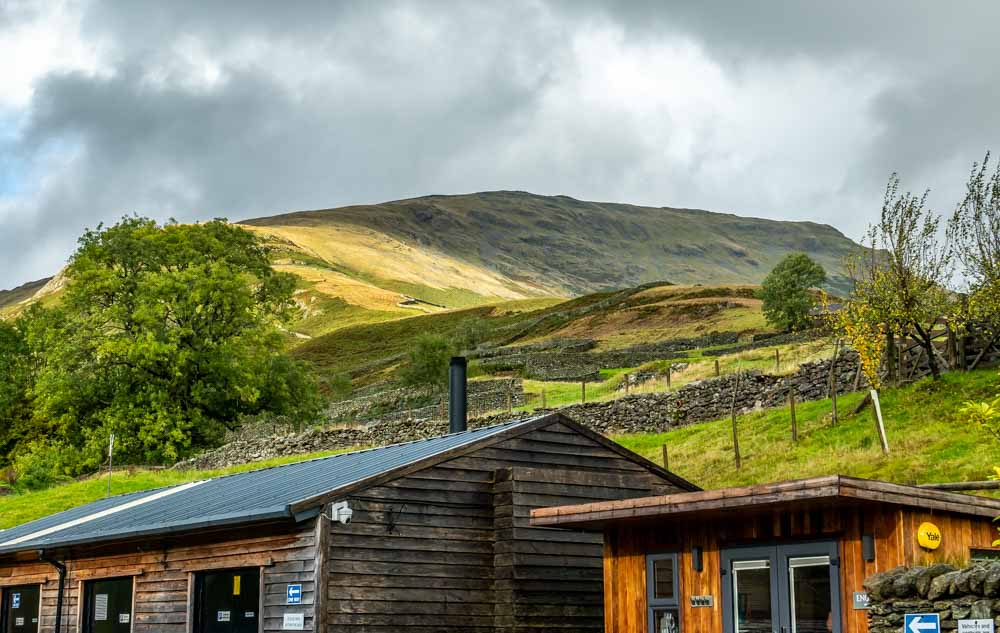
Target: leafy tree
{"x": 975, "y": 231}
{"x": 428, "y": 361}
{"x": 166, "y": 336}
{"x": 901, "y": 277}
{"x": 16, "y": 377}
{"x": 786, "y": 291}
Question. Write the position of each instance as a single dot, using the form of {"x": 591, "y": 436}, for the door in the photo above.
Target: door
{"x": 227, "y": 601}
{"x": 20, "y": 609}
{"x": 781, "y": 589}
{"x": 107, "y": 605}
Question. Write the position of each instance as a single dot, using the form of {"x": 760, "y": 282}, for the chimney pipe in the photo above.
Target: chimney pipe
{"x": 457, "y": 401}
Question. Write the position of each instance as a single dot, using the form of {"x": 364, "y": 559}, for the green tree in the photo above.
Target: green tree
{"x": 166, "y": 335}
{"x": 16, "y": 378}
{"x": 785, "y": 291}
{"x": 428, "y": 361}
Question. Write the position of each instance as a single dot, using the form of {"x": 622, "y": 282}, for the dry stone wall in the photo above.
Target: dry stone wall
{"x": 695, "y": 402}
{"x": 972, "y": 593}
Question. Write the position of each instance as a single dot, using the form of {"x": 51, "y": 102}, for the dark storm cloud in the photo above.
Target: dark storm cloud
{"x": 201, "y": 109}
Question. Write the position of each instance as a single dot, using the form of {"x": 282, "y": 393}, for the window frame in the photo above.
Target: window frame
{"x": 654, "y": 604}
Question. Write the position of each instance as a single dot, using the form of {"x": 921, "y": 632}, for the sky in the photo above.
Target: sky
{"x": 194, "y": 109}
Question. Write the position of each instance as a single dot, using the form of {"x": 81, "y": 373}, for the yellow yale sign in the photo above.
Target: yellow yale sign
{"x": 929, "y": 536}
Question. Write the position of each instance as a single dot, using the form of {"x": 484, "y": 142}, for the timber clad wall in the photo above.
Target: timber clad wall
{"x": 163, "y": 578}
{"x": 431, "y": 548}
{"x": 893, "y": 527}
{"x": 449, "y": 547}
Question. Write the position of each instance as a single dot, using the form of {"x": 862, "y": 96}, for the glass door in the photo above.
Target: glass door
{"x": 781, "y": 589}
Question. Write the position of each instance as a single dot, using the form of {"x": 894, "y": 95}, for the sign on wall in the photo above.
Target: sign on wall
{"x": 929, "y": 536}
{"x": 293, "y": 622}
{"x": 975, "y": 626}
{"x": 294, "y": 594}
{"x": 921, "y": 623}
{"x": 861, "y": 600}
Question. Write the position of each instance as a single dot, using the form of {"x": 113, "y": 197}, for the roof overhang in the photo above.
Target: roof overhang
{"x": 802, "y": 492}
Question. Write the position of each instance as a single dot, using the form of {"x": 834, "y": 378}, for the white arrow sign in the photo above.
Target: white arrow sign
{"x": 923, "y": 623}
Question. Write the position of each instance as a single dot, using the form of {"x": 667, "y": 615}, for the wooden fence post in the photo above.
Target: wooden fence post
{"x": 777, "y": 361}
{"x": 668, "y": 377}
{"x": 666, "y": 458}
{"x": 626, "y": 384}
{"x": 732, "y": 411}
{"x": 879, "y": 423}
{"x": 717, "y": 367}
{"x": 834, "y": 378}
{"x": 791, "y": 411}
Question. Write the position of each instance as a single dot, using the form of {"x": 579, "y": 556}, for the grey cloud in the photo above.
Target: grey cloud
{"x": 318, "y": 104}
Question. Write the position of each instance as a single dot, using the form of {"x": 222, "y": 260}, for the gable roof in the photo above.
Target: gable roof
{"x": 294, "y": 491}
{"x": 824, "y": 489}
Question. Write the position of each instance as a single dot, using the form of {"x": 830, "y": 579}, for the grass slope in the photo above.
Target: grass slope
{"x": 929, "y": 440}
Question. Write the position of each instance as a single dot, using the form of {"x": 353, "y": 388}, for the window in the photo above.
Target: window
{"x": 984, "y": 555}
{"x": 662, "y": 593}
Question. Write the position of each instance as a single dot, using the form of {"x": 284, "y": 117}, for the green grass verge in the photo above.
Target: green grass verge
{"x": 20, "y": 508}
{"x": 929, "y": 440}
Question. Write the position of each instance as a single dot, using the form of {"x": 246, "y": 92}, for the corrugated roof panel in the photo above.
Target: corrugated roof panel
{"x": 249, "y": 496}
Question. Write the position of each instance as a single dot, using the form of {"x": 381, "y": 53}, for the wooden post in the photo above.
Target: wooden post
{"x": 777, "y": 361}
{"x": 879, "y": 423}
{"x": 834, "y": 379}
{"x": 952, "y": 348}
{"x": 668, "y": 377}
{"x": 732, "y": 411}
{"x": 717, "y": 367}
{"x": 791, "y": 412}
{"x": 626, "y": 384}
{"x": 583, "y": 391}
{"x": 901, "y": 378}
{"x": 666, "y": 458}
{"x": 962, "y": 360}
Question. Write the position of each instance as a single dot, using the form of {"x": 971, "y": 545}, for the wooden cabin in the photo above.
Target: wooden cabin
{"x": 427, "y": 536}
{"x": 770, "y": 558}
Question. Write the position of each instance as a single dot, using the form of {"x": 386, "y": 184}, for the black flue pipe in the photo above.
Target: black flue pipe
{"x": 458, "y": 404}
{"x": 61, "y": 568}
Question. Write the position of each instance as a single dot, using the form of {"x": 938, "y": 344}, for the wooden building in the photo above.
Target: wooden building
{"x": 422, "y": 537}
{"x": 771, "y": 558}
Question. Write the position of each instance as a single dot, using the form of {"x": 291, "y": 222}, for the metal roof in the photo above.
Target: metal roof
{"x": 245, "y": 497}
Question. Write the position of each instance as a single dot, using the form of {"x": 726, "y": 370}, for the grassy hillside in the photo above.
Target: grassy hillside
{"x": 929, "y": 440}
{"x": 511, "y": 244}
{"x": 647, "y": 314}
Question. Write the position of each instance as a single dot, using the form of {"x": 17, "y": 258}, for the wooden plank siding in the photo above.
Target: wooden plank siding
{"x": 894, "y": 529}
{"x": 450, "y": 548}
{"x": 162, "y": 576}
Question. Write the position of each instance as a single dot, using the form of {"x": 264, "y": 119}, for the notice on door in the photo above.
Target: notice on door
{"x": 222, "y": 616}
{"x": 975, "y": 626}
{"x": 101, "y": 607}
{"x": 293, "y": 622}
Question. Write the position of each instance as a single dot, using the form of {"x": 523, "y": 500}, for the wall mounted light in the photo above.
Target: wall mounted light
{"x": 696, "y": 558}
{"x": 868, "y": 547}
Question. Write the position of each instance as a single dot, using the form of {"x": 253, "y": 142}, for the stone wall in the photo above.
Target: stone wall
{"x": 405, "y": 403}
{"x": 695, "y": 402}
{"x": 972, "y": 593}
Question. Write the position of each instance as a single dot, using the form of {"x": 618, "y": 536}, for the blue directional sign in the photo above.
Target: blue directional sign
{"x": 294, "y": 594}
{"x": 15, "y": 601}
{"x": 921, "y": 623}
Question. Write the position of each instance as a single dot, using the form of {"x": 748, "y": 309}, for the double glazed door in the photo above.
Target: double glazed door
{"x": 781, "y": 589}
{"x": 20, "y": 609}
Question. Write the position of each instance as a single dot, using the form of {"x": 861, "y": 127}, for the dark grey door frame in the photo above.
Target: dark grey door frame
{"x": 778, "y": 556}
